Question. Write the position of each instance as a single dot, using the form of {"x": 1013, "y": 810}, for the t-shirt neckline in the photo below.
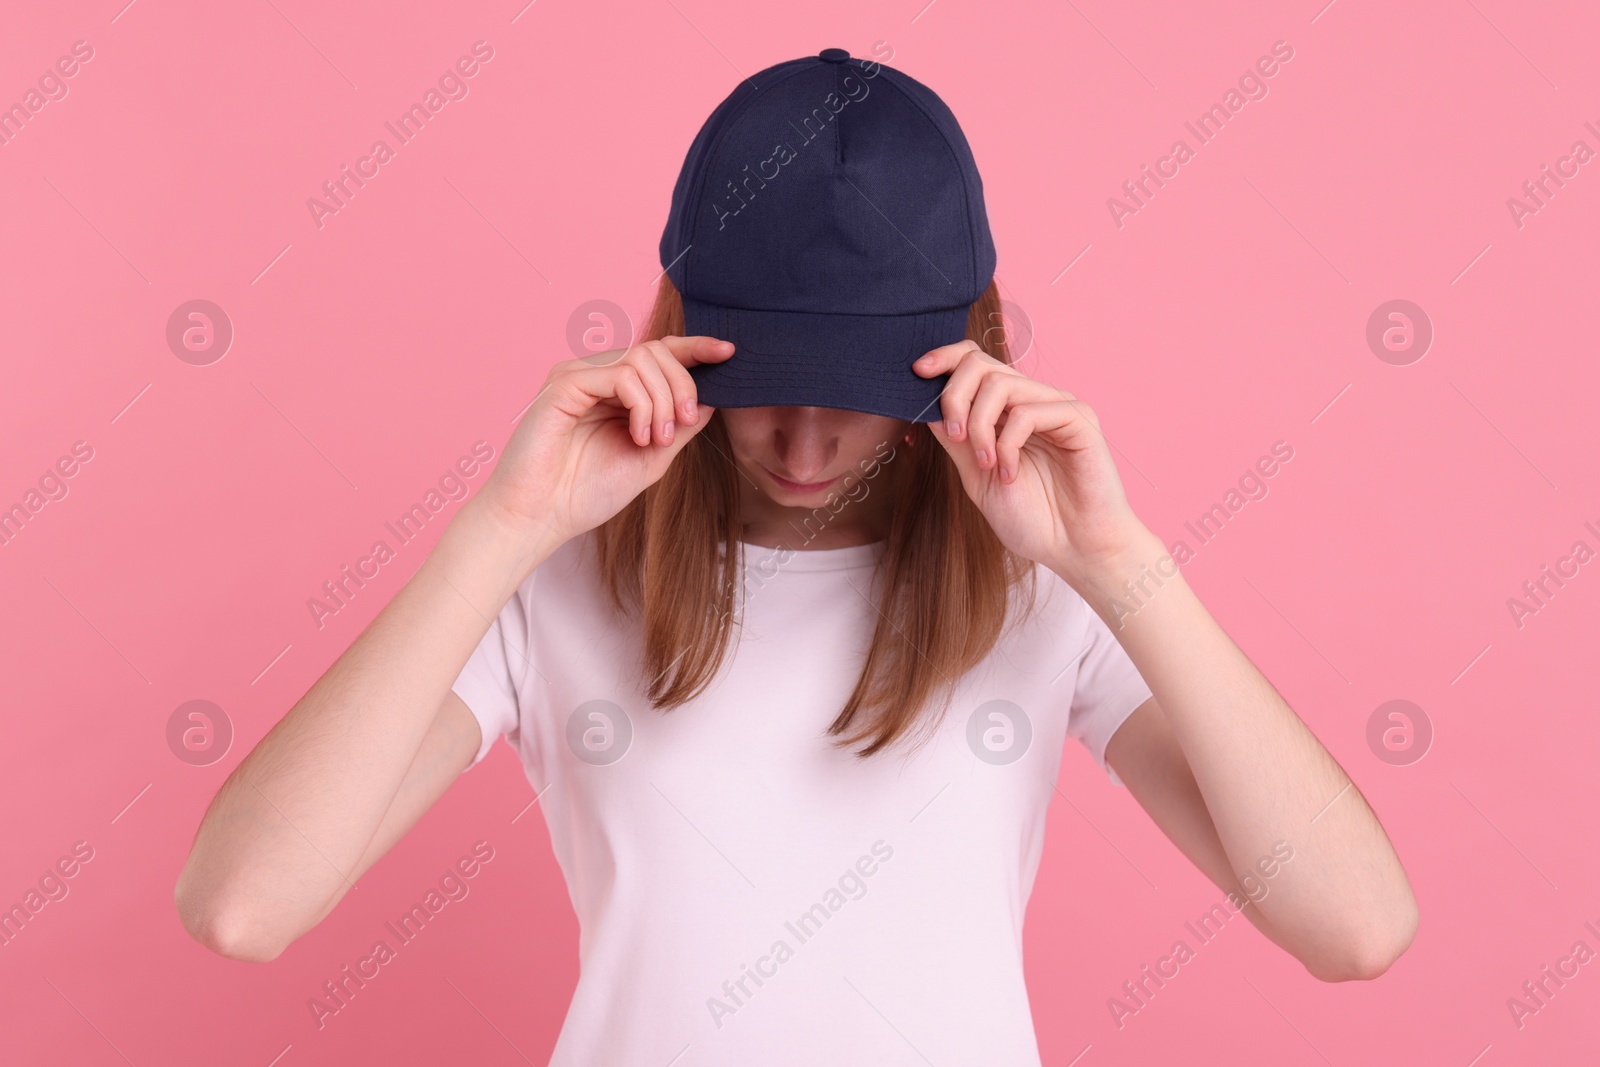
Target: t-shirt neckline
{"x": 789, "y": 558}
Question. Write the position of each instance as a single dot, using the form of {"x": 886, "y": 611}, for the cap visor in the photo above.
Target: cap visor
{"x": 856, "y": 362}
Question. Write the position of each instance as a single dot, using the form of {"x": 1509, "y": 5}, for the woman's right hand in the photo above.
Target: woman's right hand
{"x": 379, "y": 737}
{"x": 603, "y": 428}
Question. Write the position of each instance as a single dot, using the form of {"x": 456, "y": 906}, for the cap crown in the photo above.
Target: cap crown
{"x": 830, "y": 185}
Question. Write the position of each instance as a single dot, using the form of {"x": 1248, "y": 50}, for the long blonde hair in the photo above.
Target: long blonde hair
{"x": 947, "y": 578}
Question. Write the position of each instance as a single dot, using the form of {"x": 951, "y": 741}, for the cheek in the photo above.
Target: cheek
{"x": 742, "y": 430}
{"x": 746, "y": 449}
{"x": 751, "y": 435}
{"x": 872, "y": 445}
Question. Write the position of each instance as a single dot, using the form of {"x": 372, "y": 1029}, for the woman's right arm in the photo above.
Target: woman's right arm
{"x": 380, "y": 736}
{"x": 288, "y": 833}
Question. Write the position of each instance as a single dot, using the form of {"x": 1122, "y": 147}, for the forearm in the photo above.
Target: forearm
{"x": 282, "y": 840}
{"x": 1343, "y": 905}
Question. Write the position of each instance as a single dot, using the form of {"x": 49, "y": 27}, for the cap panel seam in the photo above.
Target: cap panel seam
{"x": 717, "y": 138}
{"x": 838, "y": 117}
{"x": 966, "y": 199}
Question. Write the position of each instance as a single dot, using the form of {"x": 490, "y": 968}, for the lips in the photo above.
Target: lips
{"x": 800, "y": 487}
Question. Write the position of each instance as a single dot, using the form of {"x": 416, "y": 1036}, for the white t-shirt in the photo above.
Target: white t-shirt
{"x": 746, "y": 891}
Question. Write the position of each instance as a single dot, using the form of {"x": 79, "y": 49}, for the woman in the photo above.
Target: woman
{"x": 788, "y": 611}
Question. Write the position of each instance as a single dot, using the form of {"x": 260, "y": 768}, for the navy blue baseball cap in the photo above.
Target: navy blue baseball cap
{"x": 829, "y": 221}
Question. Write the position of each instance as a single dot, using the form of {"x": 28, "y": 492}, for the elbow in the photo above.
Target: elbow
{"x": 238, "y": 941}
{"x": 227, "y": 931}
{"x": 1363, "y": 956}
{"x": 1353, "y": 966}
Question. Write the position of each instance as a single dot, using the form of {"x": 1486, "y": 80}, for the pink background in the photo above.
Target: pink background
{"x": 1227, "y": 314}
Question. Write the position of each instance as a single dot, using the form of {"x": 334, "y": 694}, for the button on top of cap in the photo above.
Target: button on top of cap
{"x": 833, "y": 55}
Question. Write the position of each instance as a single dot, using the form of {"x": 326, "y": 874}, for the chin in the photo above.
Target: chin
{"x": 805, "y": 500}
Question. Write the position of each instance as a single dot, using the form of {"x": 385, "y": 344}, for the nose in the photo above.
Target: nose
{"x": 804, "y": 442}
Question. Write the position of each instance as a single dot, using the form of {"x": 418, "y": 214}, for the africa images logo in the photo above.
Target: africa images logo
{"x": 452, "y": 85}
{"x": 851, "y": 885}
{"x": 784, "y": 153}
{"x": 1252, "y": 85}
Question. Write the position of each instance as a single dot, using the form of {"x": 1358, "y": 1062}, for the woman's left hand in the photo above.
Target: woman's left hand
{"x": 1033, "y": 459}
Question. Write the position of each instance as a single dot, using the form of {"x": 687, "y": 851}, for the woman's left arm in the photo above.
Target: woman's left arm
{"x": 1217, "y": 744}
{"x": 1224, "y": 766}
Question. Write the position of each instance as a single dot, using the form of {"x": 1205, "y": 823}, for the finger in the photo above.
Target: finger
{"x": 1019, "y": 390}
{"x": 631, "y": 391}
{"x": 685, "y": 403}
{"x": 1053, "y": 392}
{"x": 646, "y": 359}
{"x": 993, "y": 396}
{"x": 581, "y": 388}
{"x": 698, "y": 349}
{"x": 955, "y": 401}
{"x": 960, "y": 452}
{"x": 1068, "y": 424}
{"x": 685, "y": 350}
{"x": 944, "y": 359}
{"x": 1022, "y": 422}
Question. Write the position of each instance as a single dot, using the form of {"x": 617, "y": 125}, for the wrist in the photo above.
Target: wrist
{"x": 493, "y": 552}
{"x": 1122, "y": 579}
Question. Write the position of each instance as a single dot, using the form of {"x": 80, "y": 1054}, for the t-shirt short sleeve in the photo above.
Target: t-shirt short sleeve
{"x": 492, "y": 679}
{"x": 1109, "y": 688}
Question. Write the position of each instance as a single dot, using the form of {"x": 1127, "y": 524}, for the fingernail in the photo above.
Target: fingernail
{"x": 983, "y": 457}
{"x": 952, "y": 427}
{"x": 666, "y": 431}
